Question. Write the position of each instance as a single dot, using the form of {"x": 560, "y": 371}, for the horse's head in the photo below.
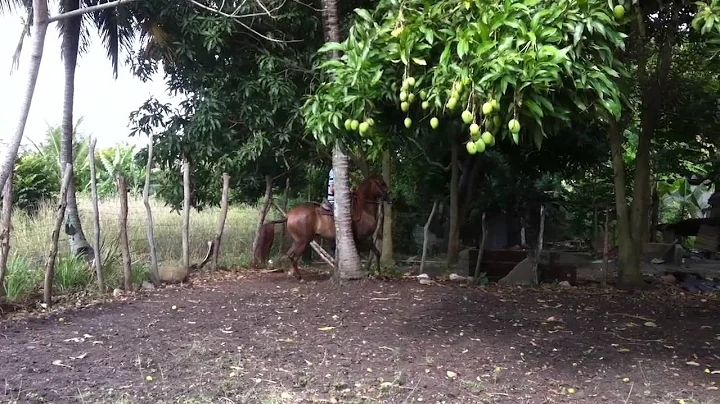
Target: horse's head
{"x": 378, "y": 189}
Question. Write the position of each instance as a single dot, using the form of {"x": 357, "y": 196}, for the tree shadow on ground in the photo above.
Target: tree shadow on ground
{"x": 664, "y": 342}
{"x": 260, "y": 337}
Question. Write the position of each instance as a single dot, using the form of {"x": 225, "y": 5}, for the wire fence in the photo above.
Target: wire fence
{"x": 31, "y": 236}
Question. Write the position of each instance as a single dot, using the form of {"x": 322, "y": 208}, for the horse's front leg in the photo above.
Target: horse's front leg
{"x": 377, "y": 256}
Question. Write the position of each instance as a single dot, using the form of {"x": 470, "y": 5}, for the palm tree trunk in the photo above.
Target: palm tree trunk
{"x": 39, "y": 30}
{"x": 71, "y": 40}
{"x": 347, "y": 259}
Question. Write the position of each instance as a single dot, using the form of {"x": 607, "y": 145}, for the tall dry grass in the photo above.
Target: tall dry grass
{"x": 31, "y": 237}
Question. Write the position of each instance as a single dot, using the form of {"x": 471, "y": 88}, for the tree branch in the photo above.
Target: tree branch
{"x": 237, "y": 16}
{"x": 434, "y": 163}
{"x": 85, "y": 10}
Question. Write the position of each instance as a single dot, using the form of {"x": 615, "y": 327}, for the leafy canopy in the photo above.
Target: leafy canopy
{"x": 510, "y": 67}
{"x": 242, "y": 93}
{"x": 707, "y": 22}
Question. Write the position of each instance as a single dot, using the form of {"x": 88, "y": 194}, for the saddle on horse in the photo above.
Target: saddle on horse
{"x": 326, "y": 208}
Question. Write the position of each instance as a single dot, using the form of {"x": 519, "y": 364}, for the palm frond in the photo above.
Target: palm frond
{"x": 118, "y": 30}
{"x": 15, "y": 5}
{"x": 18, "y": 49}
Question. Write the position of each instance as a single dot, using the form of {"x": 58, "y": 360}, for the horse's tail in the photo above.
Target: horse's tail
{"x": 277, "y": 221}
{"x": 266, "y": 236}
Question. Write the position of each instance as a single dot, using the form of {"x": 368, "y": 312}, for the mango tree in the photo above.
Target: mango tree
{"x": 241, "y": 91}
{"x": 484, "y": 72}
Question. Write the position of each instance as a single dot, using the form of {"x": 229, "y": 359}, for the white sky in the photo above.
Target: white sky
{"x": 104, "y": 103}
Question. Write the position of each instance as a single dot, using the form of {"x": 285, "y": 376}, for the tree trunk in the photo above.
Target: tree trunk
{"x": 386, "y": 256}
{"x": 654, "y": 213}
{"x": 606, "y": 249}
{"x": 124, "y": 247}
{"x": 633, "y": 234}
{"x": 96, "y": 217}
{"x": 467, "y": 185}
{"x": 59, "y": 214}
{"x": 39, "y": 30}
{"x": 71, "y": 40}
{"x": 628, "y": 254}
{"x": 186, "y": 216}
{"x": 454, "y": 233}
{"x": 347, "y": 264}
{"x": 217, "y": 241}
{"x": 5, "y": 227}
{"x": 262, "y": 213}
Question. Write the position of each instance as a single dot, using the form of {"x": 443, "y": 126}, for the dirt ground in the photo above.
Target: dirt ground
{"x": 251, "y": 337}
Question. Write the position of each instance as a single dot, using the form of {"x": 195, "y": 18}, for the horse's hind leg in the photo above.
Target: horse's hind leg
{"x": 294, "y": 254}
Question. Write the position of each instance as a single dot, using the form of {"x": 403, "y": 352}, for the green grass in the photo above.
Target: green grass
{"x": 20, "y": 279}
{"x": 31, "y": 236}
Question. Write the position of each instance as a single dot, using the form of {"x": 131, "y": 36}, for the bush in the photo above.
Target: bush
{"x": 35, "y": 181}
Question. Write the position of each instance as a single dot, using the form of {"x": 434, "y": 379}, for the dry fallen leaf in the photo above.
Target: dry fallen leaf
{"x": 325, "y": 328}
{"x": 692, "y": 363}
{"x": 650, "y": 324}
{"x": 623, "y": 350}
{"x": 81, "y": 356}
{"x": 285, "y": 395}
{"x": 58, "y": 362}
{"x": 148, "y": 378}
{"x": 451, "y": 374}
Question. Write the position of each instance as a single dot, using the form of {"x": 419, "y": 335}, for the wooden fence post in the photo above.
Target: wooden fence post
{"x": 538, "y": 249}
{"x": 124, "y": 244}
{"x": 221, "y": 221}
{"x": 186, "y": 216}
{"x": 154, "y": 273}
{"x": 426, "y": 235}
{"x": 59, "y": 216}
{"x": 5, "y": 228}
{"x": 481, "y": 248}
{"x": 263, "y": 213}
{"x": 96, "y": 217}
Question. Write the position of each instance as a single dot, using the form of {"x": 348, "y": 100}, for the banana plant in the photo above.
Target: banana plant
{"x": 689, "y": 201}
{"x": 117, "y": 160}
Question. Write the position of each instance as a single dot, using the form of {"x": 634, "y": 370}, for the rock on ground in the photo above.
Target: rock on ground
{"x": 520, "y": 275}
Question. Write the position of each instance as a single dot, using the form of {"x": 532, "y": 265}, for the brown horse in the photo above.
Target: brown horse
{"x": 311, "y": 219}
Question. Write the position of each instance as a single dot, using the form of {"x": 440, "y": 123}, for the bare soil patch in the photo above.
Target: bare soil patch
{"x": 266, "y": 338}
